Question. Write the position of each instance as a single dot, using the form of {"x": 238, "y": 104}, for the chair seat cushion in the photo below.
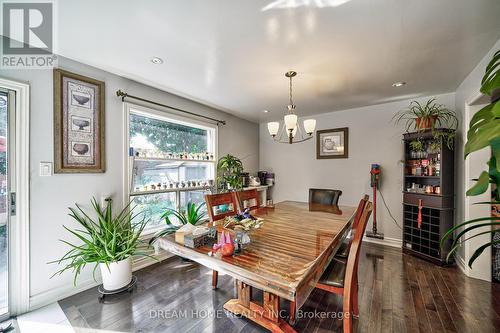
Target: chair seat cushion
{"x": 343, "y": 250}
{"x": 334, "y": 274}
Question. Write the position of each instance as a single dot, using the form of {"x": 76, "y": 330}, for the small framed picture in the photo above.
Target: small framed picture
{"x": 78, "y": 123}
{"x": 332, "y": 143}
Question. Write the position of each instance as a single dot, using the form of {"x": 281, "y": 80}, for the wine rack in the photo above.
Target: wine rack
{"x": 428, "y": 196}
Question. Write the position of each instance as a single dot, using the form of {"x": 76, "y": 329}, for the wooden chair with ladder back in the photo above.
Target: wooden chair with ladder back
{"x": 343, "y": 250}
{"x": 341, "y": 277}
{"x": 248, "y": 199}
{"x": 230, "y": 206}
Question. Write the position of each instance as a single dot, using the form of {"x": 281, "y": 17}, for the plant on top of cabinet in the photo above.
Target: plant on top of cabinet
{"x": 430, "y": 115}
{"x": 229, "y": 169}
{"x": 484, "y": 131}
{"x": 108, "y": 241}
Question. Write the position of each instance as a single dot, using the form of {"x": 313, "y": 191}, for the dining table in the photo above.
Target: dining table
{"x": 285, "y": 259}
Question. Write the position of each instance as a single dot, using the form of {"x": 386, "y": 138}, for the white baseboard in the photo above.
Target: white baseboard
{"x": 387, "y": 241}
{"x": 55, "y": 294}
{"x": 61, "y": 292}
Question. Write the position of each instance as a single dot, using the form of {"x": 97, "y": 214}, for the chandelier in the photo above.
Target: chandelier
{"x": 291, "y": 132}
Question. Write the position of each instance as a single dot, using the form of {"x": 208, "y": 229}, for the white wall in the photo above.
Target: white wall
{"x": 50, "y": 196}
{"x": 373, "y": 138}
{"x": 467, "y": 93}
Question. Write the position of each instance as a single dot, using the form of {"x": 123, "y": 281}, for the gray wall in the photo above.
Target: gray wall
{"x": 50, "y": 196}
{"x": 372, "y": 139}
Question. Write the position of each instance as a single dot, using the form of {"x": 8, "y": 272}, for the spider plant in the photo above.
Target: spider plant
{"x": 430, "y": 115}
{"x": 192, "y": 215}
{"x": 103, "y": 239}
{"x": 417, "y": 145}
{"x": 229, "y": 169}
{"x": 434, "y": 147}
{"x": 484, "y": 131}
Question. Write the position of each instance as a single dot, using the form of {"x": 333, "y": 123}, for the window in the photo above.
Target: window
{"x": 171, "y": 162}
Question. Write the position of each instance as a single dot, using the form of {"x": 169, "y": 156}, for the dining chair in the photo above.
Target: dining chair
{"x": 248, "y": 199}
{"x": 221, "y": 205}
{"x": 343, "y": 250}
{"x": 213, "y": 202}
{"x": 341, "y": 277}
{"x": 325, "y": 200}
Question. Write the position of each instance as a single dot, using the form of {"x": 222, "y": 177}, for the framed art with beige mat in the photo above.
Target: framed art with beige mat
{"x": 332, "y": 143}
{"x": 79, "y": 143}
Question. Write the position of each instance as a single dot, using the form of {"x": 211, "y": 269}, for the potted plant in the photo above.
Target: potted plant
{"x": 417, "y": 145}
{"x": 229, "y": 169}
{"x": 430, "y": 115}
{"x": 447, "y": 136}
{"x": 484, "y": 131}
{"x": 108, "y": 241}
{"x": 193, "y": 215}
{"x": 434, "y": 147}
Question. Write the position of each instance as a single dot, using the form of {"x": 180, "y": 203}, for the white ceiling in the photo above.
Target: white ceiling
{"x": 233, "y": 54}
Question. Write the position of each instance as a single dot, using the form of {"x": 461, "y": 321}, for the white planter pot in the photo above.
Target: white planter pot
{"x": 116, "y": 275}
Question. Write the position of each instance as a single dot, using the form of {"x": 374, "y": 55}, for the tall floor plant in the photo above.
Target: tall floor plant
{"x": 484, "y": 131}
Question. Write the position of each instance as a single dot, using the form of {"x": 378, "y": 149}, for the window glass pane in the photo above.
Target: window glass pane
{"x": 153, "y": 206}
{"x": 155, "y": 134}
{"x": 170, "y": 174}
{"x": 196, "y": 197}
{"x": 4, "y": 283}
{"x": 161, "y": 164}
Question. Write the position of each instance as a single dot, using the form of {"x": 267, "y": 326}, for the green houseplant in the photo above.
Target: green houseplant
{"x": 484, "y": 131}
{"x": 229, "y": 169}
{"x": 192, "y": 215}
{"x": 108, "y": 241}
{"x": 430, "y": 115}
{"x": 417, "y": 145}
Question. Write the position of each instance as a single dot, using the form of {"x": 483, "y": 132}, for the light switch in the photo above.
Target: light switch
{"x": 45, "y": 169}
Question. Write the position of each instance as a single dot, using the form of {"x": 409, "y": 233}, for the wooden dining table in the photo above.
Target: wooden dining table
{"x": 285, "y": 259}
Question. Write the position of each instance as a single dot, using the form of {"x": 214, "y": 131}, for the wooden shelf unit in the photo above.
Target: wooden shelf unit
{"x": 437, "y": 210}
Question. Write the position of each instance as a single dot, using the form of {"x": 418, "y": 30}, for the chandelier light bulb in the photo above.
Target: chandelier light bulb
{"x": 273, "y": 128}
{"x": 309, "y": 126}
{"x": 290, "y": 122}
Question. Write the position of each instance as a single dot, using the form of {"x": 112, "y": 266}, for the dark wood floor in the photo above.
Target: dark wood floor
{"x": 398, "y": 293}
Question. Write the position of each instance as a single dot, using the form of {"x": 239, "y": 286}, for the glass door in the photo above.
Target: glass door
{"x": 6, "y": 99}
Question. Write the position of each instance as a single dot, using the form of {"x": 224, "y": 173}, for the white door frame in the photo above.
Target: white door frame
{"x": 19, "y": 255}
{"x": 482, "y": 266}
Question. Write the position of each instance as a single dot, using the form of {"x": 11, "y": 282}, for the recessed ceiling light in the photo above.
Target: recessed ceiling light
{"x": 157, "y": 61}
{"x": 265, "y": 111}
{"x": 398, "y": 84}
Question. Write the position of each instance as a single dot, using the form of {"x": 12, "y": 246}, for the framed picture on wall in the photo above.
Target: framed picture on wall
{"x": 332, "y": 143}
{"x": 78, "y": 123}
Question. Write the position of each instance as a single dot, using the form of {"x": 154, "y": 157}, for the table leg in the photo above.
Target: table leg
{"x": 265, "y": 315}
{"x": 293, "y": 310}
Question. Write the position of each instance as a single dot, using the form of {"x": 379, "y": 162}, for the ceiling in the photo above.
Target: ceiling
{"x": 233, "y": 54}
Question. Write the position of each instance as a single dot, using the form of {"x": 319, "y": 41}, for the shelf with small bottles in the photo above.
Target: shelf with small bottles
{"x": 173, "y": 187}
{"x": 156, "y": 172}
{"x": 156, "y": 155}
{"x": 428, "y": 194}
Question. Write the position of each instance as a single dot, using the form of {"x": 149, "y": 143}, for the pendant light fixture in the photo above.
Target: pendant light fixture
{"x": 290, "y": 132}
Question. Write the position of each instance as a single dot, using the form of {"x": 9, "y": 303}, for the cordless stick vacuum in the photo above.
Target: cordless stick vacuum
{"x": 374, "y": 182}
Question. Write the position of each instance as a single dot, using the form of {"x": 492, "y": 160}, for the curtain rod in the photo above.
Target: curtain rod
{"x": 124, "y": 95}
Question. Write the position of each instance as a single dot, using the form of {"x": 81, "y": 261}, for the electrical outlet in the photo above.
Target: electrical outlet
{"x": 104, "y": 200}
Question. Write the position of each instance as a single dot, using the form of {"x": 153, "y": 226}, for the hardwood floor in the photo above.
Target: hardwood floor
{"x": 398, "y": 293}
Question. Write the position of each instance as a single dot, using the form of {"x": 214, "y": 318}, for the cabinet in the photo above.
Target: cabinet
{"x": 428, "y": 196}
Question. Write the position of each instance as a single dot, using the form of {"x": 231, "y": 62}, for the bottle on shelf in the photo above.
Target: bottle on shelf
{"x": 438, "y": 165}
